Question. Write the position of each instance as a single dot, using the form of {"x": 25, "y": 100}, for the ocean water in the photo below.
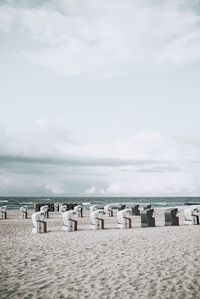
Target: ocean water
{"x": 16, "y": 202}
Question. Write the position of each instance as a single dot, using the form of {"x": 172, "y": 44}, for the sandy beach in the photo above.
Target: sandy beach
{"x": 160, "y": 262}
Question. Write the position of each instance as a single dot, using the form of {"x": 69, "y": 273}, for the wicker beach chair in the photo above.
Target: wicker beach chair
{"x": 123, "y": 218}
{"x": 69, "y": 224}
{"x": 147, "y": 219}
{"x": 56, "y": 207}
{"x": 39, "y": 225}
{"x": 191, "y": 215}
{"x": 147, "y": 207}
{"x": 171, "y": 218}
{"x": 23, "y": 212}
{"x": 95, "y": 221}
{"x": 122, "y": 207}
{"x": 135, "y": 210}
{"x": 3, "y": 212}
{"x": 79, "y": 211}
{"x": 108, "y": 209}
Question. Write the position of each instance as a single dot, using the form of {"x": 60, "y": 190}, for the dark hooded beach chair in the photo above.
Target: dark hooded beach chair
{"x": 147, "y": 207}
{"x": 147, "y": 219}
{"x": 136, "y": 210}
{"x": 36, "y": 207}
{"x": 70, "y": 206}
{"x": 51, "y": 207}
{"x": 171, "y": 217}
{"x": 122, "y": 207}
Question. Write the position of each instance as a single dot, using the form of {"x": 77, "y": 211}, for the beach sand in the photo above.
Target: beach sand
{"x": 160, "y": 262}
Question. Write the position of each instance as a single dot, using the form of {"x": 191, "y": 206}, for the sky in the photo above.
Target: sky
{"x": 99, "y": 98}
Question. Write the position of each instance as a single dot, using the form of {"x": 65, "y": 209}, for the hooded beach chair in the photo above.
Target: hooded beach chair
{"x": 94, "y": 208}
{"x": 171, "y": 217}
{"x": 147, "y": 219}
{"x": 78, "y": 211}
{"x": 3, "y": 212}
{"x": 95, "y": 221}
{"x": 123, "y": 218}
{"x": 135, "y": 210}
{"x": 39, "y": 225}
{"x": 69, "y": 224}
{"x": 108, "y": 210}
{"x": 23, "y": 212}
{"x": 45, "y": 210}
{"x": 191, "y": 215}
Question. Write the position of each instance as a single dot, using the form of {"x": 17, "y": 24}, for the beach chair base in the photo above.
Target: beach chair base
{"x": 72, "y": 226}
{"x": 41, "y": 227}
{"x": 79, "y": 214}
{"x": 3, "y": 215}
{"x": 24, "y": 215}
{"x": 110, "y": 214}
{"x": 174, "y": 222}
{"x": 126, "y": 223}
{"x": 99, "y": 224}
{"x": 149, "y": 224}
{"x": 193, "y": 221}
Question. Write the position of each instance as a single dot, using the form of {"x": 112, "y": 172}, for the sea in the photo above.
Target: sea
{"x": 15, "y": 202}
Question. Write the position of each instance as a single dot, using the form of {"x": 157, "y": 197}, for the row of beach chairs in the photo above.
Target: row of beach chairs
{"x": 191, "y": 214}
{"x": 123, "y": 218}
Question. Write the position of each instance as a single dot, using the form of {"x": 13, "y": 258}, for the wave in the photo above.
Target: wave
{"x": 3, "y": 201}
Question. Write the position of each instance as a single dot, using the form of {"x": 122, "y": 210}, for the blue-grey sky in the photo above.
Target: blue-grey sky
{"x": 100, "y": 97}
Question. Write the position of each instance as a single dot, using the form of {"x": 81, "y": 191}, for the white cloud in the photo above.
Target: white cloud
{"x": 56, "y": 189}
{"x": 107, "y": 38}
{"x": 90, "y": 191}
{"x": 146, "y": 164}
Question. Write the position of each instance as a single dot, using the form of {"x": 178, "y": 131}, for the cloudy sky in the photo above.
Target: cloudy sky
{"x": 100, "y": 97}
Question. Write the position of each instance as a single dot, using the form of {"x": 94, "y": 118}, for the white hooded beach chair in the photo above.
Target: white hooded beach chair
{"x": 23, "y": 212}
{"x": 62, "y": 209}
{"x": 69, "y": 224}
{"x": 45, "y": 209}
{"x": 78, "y": 211}
{"x": 93, "y": 208}
{"x": 123, "y": 218}
{"x": 96, "y": 221}
{"x": 3, "y": 212}
{"x": 56, "y": 207}
{"x": 191, "y": 215}
{"x": 108, "y": 210}
{"x": 39, "y": 225}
